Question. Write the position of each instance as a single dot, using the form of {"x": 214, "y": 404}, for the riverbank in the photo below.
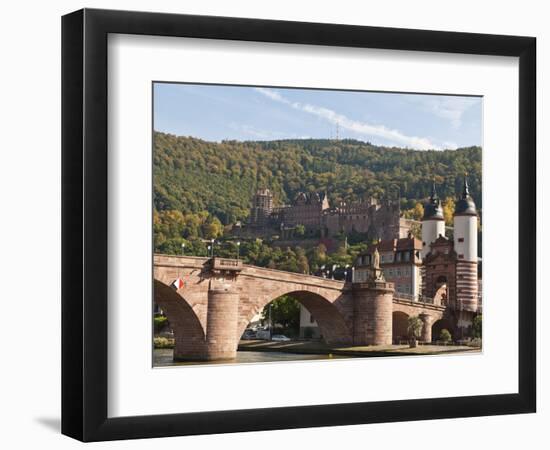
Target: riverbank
{"x": 165, "y": 358}
{"x": 320, "y": 348}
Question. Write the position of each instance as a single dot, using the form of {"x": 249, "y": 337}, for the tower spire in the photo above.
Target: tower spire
{"x": 465, "y": 203}
{"x": 465, "y": 188}
{"x": 433, "y": 195}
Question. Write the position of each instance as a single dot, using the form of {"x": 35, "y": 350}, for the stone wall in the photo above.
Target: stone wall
{"x": 373, "y": 308}
{"x": 211, "y": 311}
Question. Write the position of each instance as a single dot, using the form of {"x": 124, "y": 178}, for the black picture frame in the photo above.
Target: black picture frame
{"x": 84, "y": 224}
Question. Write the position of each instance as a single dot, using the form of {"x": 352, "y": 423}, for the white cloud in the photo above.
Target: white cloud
{"x": 451, "y": 108}
{"x": 362, "y": 128}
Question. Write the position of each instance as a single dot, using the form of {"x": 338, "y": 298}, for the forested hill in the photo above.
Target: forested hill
{"x": 192, "y": 175}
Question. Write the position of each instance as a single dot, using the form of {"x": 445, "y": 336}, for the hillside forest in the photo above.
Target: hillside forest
{"x": 202, "y": 189}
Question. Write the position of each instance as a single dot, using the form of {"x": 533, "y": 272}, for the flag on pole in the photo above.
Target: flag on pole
{"x": 178, "y": 284}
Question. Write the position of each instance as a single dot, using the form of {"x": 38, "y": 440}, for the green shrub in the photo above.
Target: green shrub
{"x": 445, "y": 336}
{"x": 162, "y": 342}
{"x": 475, "y": 342}
{"x": 160, "y": 322}
{"x": 476, "y": 326}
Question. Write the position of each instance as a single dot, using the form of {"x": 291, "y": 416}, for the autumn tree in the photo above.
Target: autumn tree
{"x": 448, "y": 210}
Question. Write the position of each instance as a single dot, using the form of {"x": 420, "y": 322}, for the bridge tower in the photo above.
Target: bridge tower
{"x": 465, "y": 246}
{"x": 433, "y": 222}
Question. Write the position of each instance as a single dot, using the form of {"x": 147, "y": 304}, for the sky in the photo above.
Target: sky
{"x": 219, "y": 112}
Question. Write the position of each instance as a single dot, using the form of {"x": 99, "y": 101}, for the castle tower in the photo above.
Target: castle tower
{"x": 465, "y": 246}
{"x": 262, "y": 207}
{"x": 433, "y": 223}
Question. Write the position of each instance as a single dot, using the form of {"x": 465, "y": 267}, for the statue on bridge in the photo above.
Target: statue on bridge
{"x": 376, "y": 273}
{"x": 376, "y": 259}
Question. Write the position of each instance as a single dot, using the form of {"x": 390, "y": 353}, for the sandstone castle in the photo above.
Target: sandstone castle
{"x": 375, "y": 219}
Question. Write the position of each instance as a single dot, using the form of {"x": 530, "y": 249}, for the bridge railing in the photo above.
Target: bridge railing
{"x": 413, "y": 298}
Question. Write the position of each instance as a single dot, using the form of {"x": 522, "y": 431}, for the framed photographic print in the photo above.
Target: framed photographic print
{"x": 274, "y": 224}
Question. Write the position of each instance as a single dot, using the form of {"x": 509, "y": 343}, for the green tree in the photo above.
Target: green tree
{"x": 477, "y": 326}
{"x": 445, "y": 336}
{"x": 299, "y": 230}
{"x": 212, "y": 228}
{"x": 301, "y": 260}
{"x": 285, "y": 312}
{"x": 416, "y": 230}
{"x": 414, "y": 329}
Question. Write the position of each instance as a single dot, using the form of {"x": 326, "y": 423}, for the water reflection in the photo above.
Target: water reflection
{"x": 163, "y": 357}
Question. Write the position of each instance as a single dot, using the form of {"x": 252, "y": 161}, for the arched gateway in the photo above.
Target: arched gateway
{"x": 218, "y": 297}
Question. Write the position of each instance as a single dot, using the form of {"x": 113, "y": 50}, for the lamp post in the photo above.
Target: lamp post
{"x": 238, "y": 249}
{"x": 183, "y": 248}
{"x": 270, "y": 323}
{"x": 210, "y": 249}
{"x": 212, "y": 246}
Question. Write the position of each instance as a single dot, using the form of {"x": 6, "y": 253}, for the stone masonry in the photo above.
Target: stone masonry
{"x": 373, "y": 308}
{"x": 220, "y": 297}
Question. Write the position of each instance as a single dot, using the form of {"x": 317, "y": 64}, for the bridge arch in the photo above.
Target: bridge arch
{"x": 439, "y": 325}
{"x": 330, "y": 320}
{"x": 188, "y": 331}
{"x": 441, "y": 291}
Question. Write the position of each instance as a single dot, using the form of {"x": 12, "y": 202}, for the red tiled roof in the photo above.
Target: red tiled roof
{"x": 409, "y": 244}
{"x": 392, "y": 245}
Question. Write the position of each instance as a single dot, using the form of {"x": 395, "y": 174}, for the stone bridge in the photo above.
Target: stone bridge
{"x": 220, "y": 297}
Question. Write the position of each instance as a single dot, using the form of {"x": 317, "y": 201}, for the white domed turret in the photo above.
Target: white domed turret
{"x": 433, "y": 223}
{"x": 465, "y": 246}
{"x": 465, "y": 226}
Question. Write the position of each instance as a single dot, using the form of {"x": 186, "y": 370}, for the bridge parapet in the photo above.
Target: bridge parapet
{"x": 292, "y": 277}
{"x": 418, "y": 304}
{"x": 179, "y": 261}
{"x": 226, "y": 264}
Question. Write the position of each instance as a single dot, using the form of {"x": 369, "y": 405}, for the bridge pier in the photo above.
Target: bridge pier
{"x": 427, "y": 322}
{"x": 221, "y": 323}
{"x": 373, "y": 309}
{"x": 188, "y": 347}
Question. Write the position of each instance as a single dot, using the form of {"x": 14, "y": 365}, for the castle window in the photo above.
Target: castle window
{"x": 460, "y": 239}
{"x": 460, "y": 256}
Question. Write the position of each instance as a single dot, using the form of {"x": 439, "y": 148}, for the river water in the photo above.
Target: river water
{"x": 164, "y": 357}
